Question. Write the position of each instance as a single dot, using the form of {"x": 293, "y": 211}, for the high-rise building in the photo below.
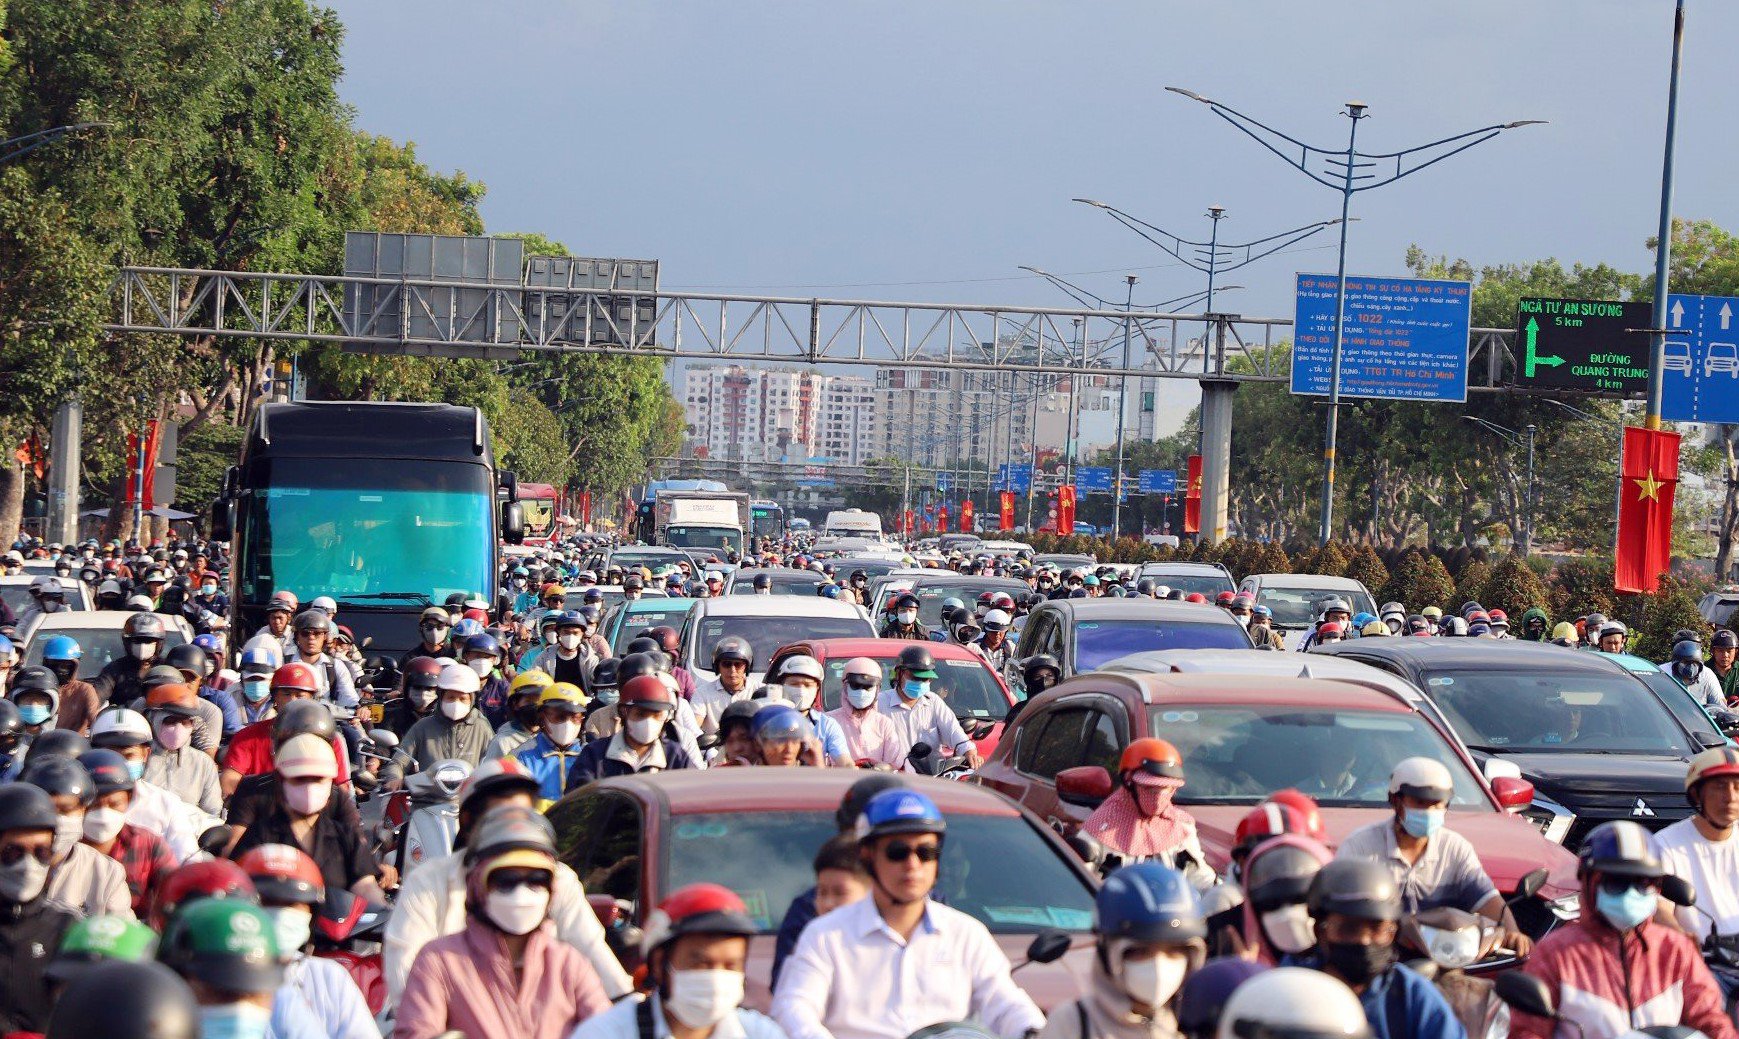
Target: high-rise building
{"x": 851, "y": 423}
{"x": 753, "y": 414}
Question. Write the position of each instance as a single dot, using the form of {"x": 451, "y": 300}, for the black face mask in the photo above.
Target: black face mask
{"x": 63, "y": 671}
{"x": 1357, "y": 964}
{"x": 526, "y": 717}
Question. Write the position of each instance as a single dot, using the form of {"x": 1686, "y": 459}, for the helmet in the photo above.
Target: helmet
{"x": 465, "y": 628}
{"x": 996, "y": 620}
{"x": 697, "y": 909}
{"x": 484, "y": 644}
{"x": 1293, "y": 1003}
{"x": 1153, "y": 756}
{"x": 1148, "y": 902}
{"x": 529, "y": 681}
{"x": 107, "y": 769}
{"x": 862, "y": 667}
{"x": 99, "y": 939}
{"x": 1424, "y": 778}
{"x": 33, "y": 678}
{"x": 120, "y": 727}
{"x": 1280, "y": 870}
{"x": 458, "y": 678}
{"x": 303, "y": 717}
{"x": 604, "y": 674}
{"x": 125, "y": 1000}
{"x": 295, "y": 676}
{"x": 217, "y": 878}
{"x": 666, "y": 637}
{"x": 306, "y": 756}
{"x": 313, "y": 620}
{"x": 1391, "y": 609}
{"x": 859, "y": 794}
{"x": 225, "y": 943}
{"x": 56, "y": 743}
{"x": 1687, "y": 652}
{"x": 780, "y": 721}
{"x": 11, "y": 726}
{"x": 908, "y": 601}
{"x": 1306, "y": 806}
{"x": 646, "y": 691}
{"x": 802, "y": 665}
{"x": 1619, "y": 848}
{"x": 1471, "y": 606}
{"x": 1037, "y": 662}
{"x": 422, "y": 673}
{"x": 899, "y": 811}
{"x": 507, "y": 828}
{"x": 208, "y": 642}
{"x": 1204, "y": 993}
{"x": 144, "y": 626}
{"x": 187, "y": 658}
{"x": 1361, "y": 888}
{"x": 24, "y": 806}
{"x": 284, "y": 874}
{"x": 1195, "y": 597}
{"x": 571, "y": 619}
{"x": 62, "y": 647}
{"x": 257, "y": 661}
{"x": 642, "y": 645}
{"x": 1716, "y": 761}
{"x": 742, "y": 712}
{"x": 633, "y": 665}
{"x": 1268, "y": 819}
{"x": 324, "y": 603}
{"x": 731, "y": 647}
{"x": 504, "y": 774}
{"x": 562, "y": 694}
{"x": 1374, "y": 627}
{"x": 916, "y": 660}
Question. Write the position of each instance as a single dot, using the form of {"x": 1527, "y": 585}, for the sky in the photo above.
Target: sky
{"x": 924, "y": 149}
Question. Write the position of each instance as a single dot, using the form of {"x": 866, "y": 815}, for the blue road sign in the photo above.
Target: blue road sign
{"x": 944, "y": 481}
{"x": 1158, "y": 481}
{"x": 1700, "y": 370}
{"x": 1403, "y": 339}
{"x": 1017, "y": 477}
{"x": 1091, "y": 478}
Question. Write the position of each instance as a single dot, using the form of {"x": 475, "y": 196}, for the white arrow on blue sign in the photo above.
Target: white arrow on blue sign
{"x": 1158, "y": 481}
{"x": 1700, "y": 367}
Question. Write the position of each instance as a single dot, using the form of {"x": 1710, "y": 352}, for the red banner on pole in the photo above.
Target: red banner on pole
{"x": 942, "y": 520}
{"x": 141, "y": 457}
{"x": 906, "y": 523}
{"x": 586, "y": 509}
{"x": 1005, "y": 521}
{"x": 1650, "y": 465}
{"x": 1192, "y": 500}
{"x": 966, "y": 510}
{"x": 1066, "y": 509}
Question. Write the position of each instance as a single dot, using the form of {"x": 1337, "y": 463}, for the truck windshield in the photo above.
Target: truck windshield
{"x": 703, "y": 537}
{"x": 361, "y": 529}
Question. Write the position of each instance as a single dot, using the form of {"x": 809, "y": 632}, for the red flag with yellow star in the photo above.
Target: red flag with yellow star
{"x": 1645, "y": 513}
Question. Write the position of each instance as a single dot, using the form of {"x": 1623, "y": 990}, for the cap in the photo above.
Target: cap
{"x": 306, "y": 755}
{"x": 177, "y": 698}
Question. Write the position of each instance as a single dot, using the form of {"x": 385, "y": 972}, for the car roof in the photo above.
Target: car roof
{"x": 1261, "y": 662}
{"x": 1629, "y": 661}
{"x": 1157, "y": 689}
{"x": 96, "y": 620}
{"x": 698, "y": 791}
{"x": 776, "y": 606}
{"x": 1474, "y": 653}
{"x": 748, "y": 574}
{"x": 1138, "y": 608}
{"x": 834, "y": 649}
{"x": 991, "y": 584}
{"x": 659, "y": 602}
{"x": 1211, "y": 569}
{"x": 1305, "y": 581}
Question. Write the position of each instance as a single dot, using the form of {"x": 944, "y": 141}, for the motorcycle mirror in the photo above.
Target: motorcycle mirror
{"x": 1048, "y": 946}
{"x": 1531, "y": 882}
{"x": 384, "y": 738}
{"x": 1678, "y": 891}
{"x": 919, "y": 751}
{"x": 708, "y": 741}
{"x": 1089, "y": 849}
{"x": 1526, "y": 993}
{"x": 214, "y": 841}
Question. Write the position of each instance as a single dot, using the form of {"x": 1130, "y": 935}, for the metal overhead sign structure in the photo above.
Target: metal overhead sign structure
{"x": 1700, "y": 370}
{"x": 1404, "y": 338}
{"x": 1582, "y": 344}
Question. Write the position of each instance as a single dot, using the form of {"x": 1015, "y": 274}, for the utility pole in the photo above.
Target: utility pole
{"x": 1664, "y": 247}
{"x": 1122, "y": 414}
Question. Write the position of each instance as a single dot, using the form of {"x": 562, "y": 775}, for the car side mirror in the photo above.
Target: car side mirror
{"x": 1531, "y": 883}
{"x": 1512, "y": 793}
{"x": 1527, "y": 993}
{"x": 220, "y": 520}
{"x": 1678, "y": 891}
{"x": 512, "y": 522}
{"x": 1084, "y": 785}
{"x": 1048, "y": 946}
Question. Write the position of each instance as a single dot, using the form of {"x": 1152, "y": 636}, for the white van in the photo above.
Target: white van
{"x": 852, "y": 522}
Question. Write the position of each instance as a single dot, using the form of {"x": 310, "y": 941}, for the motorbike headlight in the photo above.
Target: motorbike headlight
{"x": 1451, "y": 949}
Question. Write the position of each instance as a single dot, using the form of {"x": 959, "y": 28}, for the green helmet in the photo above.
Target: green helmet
{"x": 226, "y": 943}
{"x": 97, "y": 938}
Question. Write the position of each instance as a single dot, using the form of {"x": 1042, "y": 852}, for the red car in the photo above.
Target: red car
{"x": 1243, "y": 737}
{"x": 635, "y": 839}
{"x": 978, "y": 695}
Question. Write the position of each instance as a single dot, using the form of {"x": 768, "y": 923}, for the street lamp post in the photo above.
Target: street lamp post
{"x": 1525, "y": 441}
{"x": 1122, "y": 416}
{"x": 1349, "y": 172}
{"x": 14, "y": 148}
{"x": 1664, "y": 247}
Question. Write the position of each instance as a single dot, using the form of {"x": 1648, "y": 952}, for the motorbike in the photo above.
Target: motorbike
{"x": 421, "y": 820}
{"x": 1459, "y": 949}
{"x": 925, "y": 762}
{"x": 1720, "y": 951}
{"x": 349, "y": 931}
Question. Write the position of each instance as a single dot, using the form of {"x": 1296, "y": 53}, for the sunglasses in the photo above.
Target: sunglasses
{"x": 510, "y": 878}
{"x": 1619, "y": 885}
{"x": 12, "y": 854}
{"x": 900, "y": 851}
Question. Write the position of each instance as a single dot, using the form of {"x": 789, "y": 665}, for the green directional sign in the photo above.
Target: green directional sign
{"x": 1582, "y": 344}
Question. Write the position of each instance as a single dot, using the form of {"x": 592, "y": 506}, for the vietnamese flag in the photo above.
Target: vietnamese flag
{"x": 942, "y": 520}
{"x": 1066, "y": 509}
{"x": 1005, "y": 521}
{"x": 1192, "y": 499}
{"x": 966, "y": 516}
{"x": 1650, "y": 469}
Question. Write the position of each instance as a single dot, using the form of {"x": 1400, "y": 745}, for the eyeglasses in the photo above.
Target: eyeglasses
{"x": 900, "y": 851}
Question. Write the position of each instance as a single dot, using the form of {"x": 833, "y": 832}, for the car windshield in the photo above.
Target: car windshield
{"x": 1098, "y": 642}
{"x": 996, "y": 869}
{"x": 743, "y": 583}
{"x": 1238, "y": 755}
{"x": 768, "y": 633}
{"x": 1296, "y": 607}
{"x": 353, "y": 528}
{"x": 931, "y": 595}
{"x": 1547, "y": 711}
{"x": 650, "y": 559}
{"x": 100, "y": 645}
{"x": 16, "y": 597}
{"x": 628, "y": 626}
{"x": 966, "y": 686}
{"x": 1679, "y": 701}
{"x": 1209, "y": 585}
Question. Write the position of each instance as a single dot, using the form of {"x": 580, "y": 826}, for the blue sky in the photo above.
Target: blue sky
{"x": 923, "y": 149}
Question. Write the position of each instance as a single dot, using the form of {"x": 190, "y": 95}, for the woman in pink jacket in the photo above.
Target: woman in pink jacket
{"x": 506, "y": 975}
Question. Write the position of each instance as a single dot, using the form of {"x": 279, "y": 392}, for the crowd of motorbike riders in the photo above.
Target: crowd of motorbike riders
{"x": 182, "y": 850}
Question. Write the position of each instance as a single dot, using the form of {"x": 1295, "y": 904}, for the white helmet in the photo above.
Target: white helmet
{"x": 1296, "y": 1003}
{"x": 997, "y": 620}
{"x": 119, "y": 726}
{"x": 863, "y": 667}
{"x": 1425, "y": 778}
{"x": 325, "y": 604}
{"x": 802, "y": 665}
{"x": 458, "y": 678}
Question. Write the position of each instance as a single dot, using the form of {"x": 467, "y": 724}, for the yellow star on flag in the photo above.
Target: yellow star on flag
{"x": 1648, "y": 487}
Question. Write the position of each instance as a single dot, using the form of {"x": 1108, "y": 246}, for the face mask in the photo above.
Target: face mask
{"x": 1154, "y": 981}
{"x": 702, "y": 998}
{"x": 549, "y": 637}
{"x": 860, "y": 698}
{"x": 568, "y": 642}
{"x": 645, "y": 730}
{"x": 1357, "y": 964}
{"x": 68, "y": 831}
{"x": 914, "y": 688}
{"x": 102, "y": 824}
{"x": 256, "y": 689}
{"x": 234, "y": 1021}
{"x": 33, "y": 714}
{"x": 208, "y": 590}
{"x": 1243, "y": 619}
{"x": 562, "y": 733}
{"x": 482, "y": 665}
{"x": 141, "y": 650}
{"x": 906, "y": 616}
{"x": 63, "y": 670}
{"x": 293, "y": 926}
{"x": 23, "y": 880}
{"x": 1289, "y": 928}
{"x": 136, "y": 769}
{"x": 606, "y": 697}
{"x": 519, "y": 582}
{"x": 173, "y": 737}
{"x": 1422, "y": 822}
{"x": 455, "y": 709}
{"x": 435, "y": 634}
{"x": 1687, "y": 671}
{"x": 1626, "y": 910}
{"x": 802, "y": 696}
{"x": 308, "y": 798}
{"x": 52, "y": 605}
{"x": 518, "y": 910}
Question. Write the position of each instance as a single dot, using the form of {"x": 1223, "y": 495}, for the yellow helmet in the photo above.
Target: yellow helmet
{"x": 534, "y": 680}
{"x": 562, "y": 693}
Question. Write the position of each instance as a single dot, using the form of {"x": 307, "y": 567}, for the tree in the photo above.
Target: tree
{"x": 1272, "y": 560}
{"x": 201, "y": 461}
{"x": 1366, "y": 568}
{"x": 1513, "y": 587}
{"x": 1470, "y": 585}
{"x": 1671, "y": 609}
{"x": 1419, "y": 580}
{"x": 1582, "y": 586}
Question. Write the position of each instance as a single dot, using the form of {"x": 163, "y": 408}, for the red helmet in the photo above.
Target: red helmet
{"x": 1498, "y": 615}
{"x": 295, "y": 675}
{"x": 1225, "y": 598}
{"x": 666, "y": 637}
{"x": 1331, "y": 628}
{"x": 645, "y": 691}
{"x": 1002, "y": 601}
{"x": 219, "y": 878}
{"x": 697, "y": 909}
{"x": 284, "y": 874}
{"x": 480, "y": 616}
{"x": 422, "y": 673}
{"x": 1269, "y": 819}
{"x": 1195, "y": 597}
{"x": 1153, "y": 756}
{"x": 1304, "y": 805}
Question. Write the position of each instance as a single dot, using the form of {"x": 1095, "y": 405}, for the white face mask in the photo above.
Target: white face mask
{"x": 23, "y": 880}
{"x": 568, "y": 642}
{"x": 860, "y": 698}
{"x": 141, "y": 650}
{"x": 482, "y": 665}
{"x": 1290, "y": 928}
{"x": 1154, "y": 981}
{"x": 293, "y": 926}
{"x": 906, "y": 616}
{"x": 645, "y": 730}
{"x": 549, "y": 637}
{"x": 308, "y": 798}
{"x": 518, "y": 910}
{"x": 562, "y": 733}
{"x": 801, "y": 695}
{"x": 455, "y": 709}
{"x": 68, "y": 830}
{"x": 702, "y": 998}
{"x": 102, "y": 824}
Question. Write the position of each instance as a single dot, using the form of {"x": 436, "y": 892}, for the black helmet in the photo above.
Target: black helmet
{"x": 303, "y": 716}
{"x": 763, "y": 581}
{"x": 58, "y": 776}
{"x": 915, "y": 658}
{"x": 604, "y": 676}
{"x": 25, "y": 807}
{"x": 56, "y": 743}
{"x": 1280, "y": 875}
{"x": 732, "y": 647}
{"x": 851, "y": 805}
{"x": 187, "y": 657}
{"x": 1037, "y": 662}
{"x": 126, "y": 1000}
{"x": 11, "y": 726}
{"x": 642, "y": 644}
{"x": 633, "y": 665}
{"x": 144, "y": 626}
{"x": 1687, "y": 651}
{"x": 742, "y": 712}
{"x": 33, "y": 678}
{"x": 314, "y": 620}
{"x": 107, "y": 769}
{"x": 1361, "y": 888}
{"x": 1146, "y": 586}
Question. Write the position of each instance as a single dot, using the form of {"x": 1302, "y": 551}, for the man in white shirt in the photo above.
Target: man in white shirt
{"x": 1702, "y": 850}
{"x": 732, "y": 658}
{"x": 920, "y": 715}
{"x": 887, "y": 965}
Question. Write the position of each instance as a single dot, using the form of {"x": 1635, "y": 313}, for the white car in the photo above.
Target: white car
{"x": 15, "y": 592}
{"x": 1294, "y": 599}
{"x": 98, "y": 633}
{"x": 767, "y": 622}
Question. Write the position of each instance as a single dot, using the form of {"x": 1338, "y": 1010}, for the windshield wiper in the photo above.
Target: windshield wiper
{"x": 417, "y": 597}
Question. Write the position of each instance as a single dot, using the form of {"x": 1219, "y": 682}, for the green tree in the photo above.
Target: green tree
{"x": 1470, "y": 585}
{"x": 1367, "y": 569}
{"x": 1513, "y": 587}
{"x": 201, "y": 461}
{"x": 1671, "y": 609}
{"x": 1419, "y": 580}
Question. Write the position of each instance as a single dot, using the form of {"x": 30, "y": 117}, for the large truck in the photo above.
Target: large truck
{"x": 852, "y": 523}
{"x": 541, "y": 504}
{"x": 710, "y": 520}
{"x": 386, "y": 507}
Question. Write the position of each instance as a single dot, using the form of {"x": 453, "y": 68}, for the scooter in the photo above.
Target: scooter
{"x": 1454, "y": 942}
{"x": 349, "y": 931}
{"x": 925, "y": 762}
{"x": 422, "y": 820}
{"x": 1720, "y": 951}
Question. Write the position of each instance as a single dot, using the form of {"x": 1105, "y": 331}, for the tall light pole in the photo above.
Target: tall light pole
{"x": 1348, "y": 171}
{"x": 1122, "y": 415}
{"x": 1664, "y": 249}
{"x": 13, "y": 148}
{"x": 1525, "y": 442}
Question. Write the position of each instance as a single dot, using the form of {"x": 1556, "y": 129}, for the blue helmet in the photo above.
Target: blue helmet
{"x": 483, "y": 643}
{"x": 591, "y": 612}
{"x": 466, "y": 628}
{"x": 1204, "y": 993}
{"x": 1148, "y": 902}
{"x": 1619, "y": 848}
{"x": 208, "y": 642}
{"x": 573, "y": 619}
{"x": 1361, "y": 619}
{"x": 780, "y": 721}
{"x": 258, "y": 661}
{"x": 62, "y": 647}
{"x": 7, "y": 649}
{"x": 899, "y": 811}
{"x": 827, "y": 591}
{"x": 593, "y": 595}
{"x": 520, "y": 571}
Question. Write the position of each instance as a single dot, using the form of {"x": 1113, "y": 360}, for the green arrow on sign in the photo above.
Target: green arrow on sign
{"x": 1533, "y": 358}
